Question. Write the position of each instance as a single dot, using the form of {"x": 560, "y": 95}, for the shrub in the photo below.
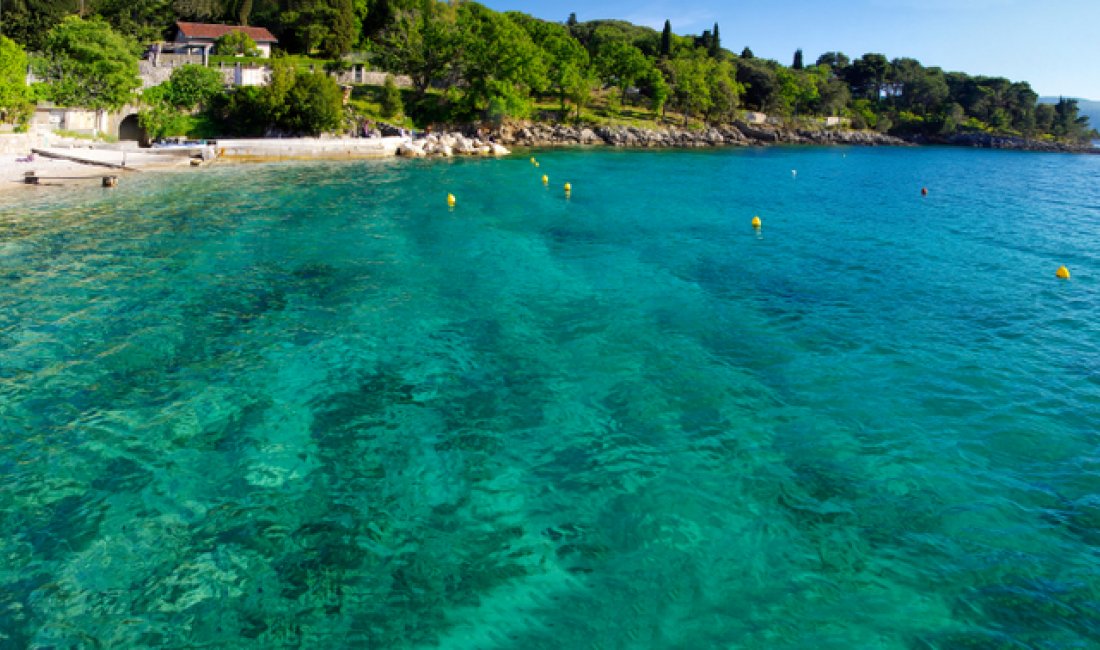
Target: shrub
{"x": 192, "y": 86}
{"x": 15, "y": 98}
{"x": 314, "y": 105}
{"x": 391, "y": 99}
{"x": 234, "y": 43}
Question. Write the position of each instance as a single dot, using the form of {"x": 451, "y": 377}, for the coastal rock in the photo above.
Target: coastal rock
{"x": 410, "y": 150}
{"x": 446, "y": 145}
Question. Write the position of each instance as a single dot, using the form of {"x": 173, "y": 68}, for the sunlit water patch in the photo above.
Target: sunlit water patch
{"x": 310, "y": 406}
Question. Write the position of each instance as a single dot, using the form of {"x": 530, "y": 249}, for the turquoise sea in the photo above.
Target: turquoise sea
{"x": 309, "y": 406}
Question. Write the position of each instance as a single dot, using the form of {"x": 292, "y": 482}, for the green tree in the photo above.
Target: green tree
{"x": 833, "y": 93}
{"x": 760, "y": 82}
{"x": 868, "y": 76}
{"x": 704, "y": 41}
{"x": 299, "y": 103}
{"x": 15, "y": 104}
{"x": 499, "y": 62}
{"x": 746, "y": 53}
{"x": 1044, "y": 118}
{"x": 688, "y": 72}
{"x": 194, "y": 86}
{"x": 594, "y": 34}
{"x": 85, "y": 63}
{"x": 234, "y": 43}
{"x": 244, "y": 12}
{"x": 391, "y": 99}
{"x": 142, "y": 20}
{"x": 566, "y": 60}
{"x": 422, "y": 42}
{"x": 715, "y": 49}
{"x": 158, "y": 117}
{"x": 27, "y": 22}
{"x": 314, "y": 105}
{"x": 273, "y": 99}
{"x": 312, "y": 25}
{"x": 342, "y": 29}
{"x": 375, "y": 16}
{"x": 666, "y": 39}
{"x": 920, "y": 90}
{"x": 656, "y": 88}
{"x": 797, "y": 64}
{"x": 1068, "y": 124}
{"x": 724, "y": 91}
{"x": 797, "y": 91}
{"x": 166, "y": 109}
{"x": 836, "y": 61}
{"x": 621, "y": 64}
{"x": 201, "y": 10}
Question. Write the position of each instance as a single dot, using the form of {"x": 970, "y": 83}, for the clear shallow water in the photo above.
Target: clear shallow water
{"x": 308, "y": 406}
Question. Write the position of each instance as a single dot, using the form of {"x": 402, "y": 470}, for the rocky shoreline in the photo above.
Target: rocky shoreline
{"x": 474, "y": 140}
{"x": 736, "y": 135}
{"x": 469, "y": 140}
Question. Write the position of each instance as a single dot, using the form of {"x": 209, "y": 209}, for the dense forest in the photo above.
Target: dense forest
{"x": 468, "y": 62}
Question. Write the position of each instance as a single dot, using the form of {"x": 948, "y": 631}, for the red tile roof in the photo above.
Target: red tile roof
{"x": 214, "y": 32}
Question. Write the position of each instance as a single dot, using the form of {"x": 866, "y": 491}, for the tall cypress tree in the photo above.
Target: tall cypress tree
{"x": 715, "y": 43}
{"x": 244, "y": 11}
{"x": 666, "y": 39}
{"x": 797, "y": 65}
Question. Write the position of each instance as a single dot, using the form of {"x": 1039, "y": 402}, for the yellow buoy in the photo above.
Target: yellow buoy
{"x": 533, "y": 161}
{"x": 568, "y": 188}
{"x": 451, "y": 200}
{"x": 545, "y": 179}
{"x": 756, "y": 223}
{"x": 1063, "y": 273}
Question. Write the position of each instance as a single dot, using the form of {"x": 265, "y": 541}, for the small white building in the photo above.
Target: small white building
{"x": 754, "y": 117}
{"x": 250, "y": 76}
{"x": 49, "y": 117}
{"x": 201, "y": 36}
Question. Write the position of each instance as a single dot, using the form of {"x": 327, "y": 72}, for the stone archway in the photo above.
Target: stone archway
{"x": 130, "y": 129}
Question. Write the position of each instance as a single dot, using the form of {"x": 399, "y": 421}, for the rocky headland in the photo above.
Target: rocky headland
{"x": 989, "y": 141}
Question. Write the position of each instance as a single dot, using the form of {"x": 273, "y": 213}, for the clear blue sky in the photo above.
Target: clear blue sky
{"x": 1053, "y": 44}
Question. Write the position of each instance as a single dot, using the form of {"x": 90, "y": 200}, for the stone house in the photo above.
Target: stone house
{"x": 201, "y": 36}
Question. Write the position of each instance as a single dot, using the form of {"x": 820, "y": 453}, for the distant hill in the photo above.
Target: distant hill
{"x": 1086, "y": 106}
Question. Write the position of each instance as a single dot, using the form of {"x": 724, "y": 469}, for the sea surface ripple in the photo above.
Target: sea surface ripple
{"x": 309, "y": 406}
